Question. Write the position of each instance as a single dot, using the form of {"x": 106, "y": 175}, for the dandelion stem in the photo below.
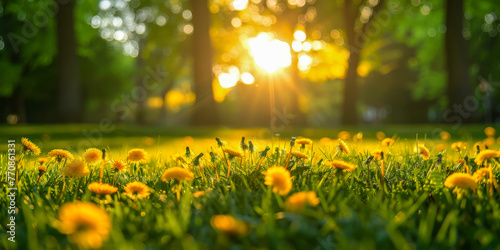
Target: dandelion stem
{"x": 260, "y": 162}
{"x": 382, "y": 177}
{"x": 466, "y": 167}
{"x": 216, "y": 172}
{"x": 63, "y": 189}
{"x": 313, "y": 155}
{"x": 77, "y": 188}
{"x": 279, "y": 200}
{"x": 178, "y": 192}
{"x": 336, "y": 152}
{"x": 491, "y": 180}
{"x": 228, "y": 169}
{"x": 114, "y": 179}
{"x": 101, "y": 173}
{"x": 321, "y": 182}
{"x": 288, "y": 158}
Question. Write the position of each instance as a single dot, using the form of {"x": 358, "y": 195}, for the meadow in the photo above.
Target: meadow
{"x": 131, "y": 187}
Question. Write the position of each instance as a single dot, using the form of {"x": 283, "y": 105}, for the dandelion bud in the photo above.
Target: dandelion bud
{"x": 103, "y": 153}
{"x": 369, "y": 159}
{"x": 41, "y": 170}
{"x": 219, "y": 142}
{"x": 196, "y": 160}
{"x": 213, "y": 157}
{"x": 382, "y": 155}
{"x": 263, "y": 153}
{"x": 243, "y": 145}
{"x": 250, "y": 146}
{"x": 292, "y": 141}
{"x": 440, "y": 159}
{"x": 188, "y": 152}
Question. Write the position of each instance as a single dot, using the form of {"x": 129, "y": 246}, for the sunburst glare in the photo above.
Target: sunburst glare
{"x": 270, "y": 54}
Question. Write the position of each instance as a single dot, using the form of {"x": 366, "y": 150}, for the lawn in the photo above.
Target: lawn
{"x": 372, "y": 194}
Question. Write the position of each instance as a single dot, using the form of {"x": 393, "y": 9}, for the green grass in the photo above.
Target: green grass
{"x": 414, "y": 211}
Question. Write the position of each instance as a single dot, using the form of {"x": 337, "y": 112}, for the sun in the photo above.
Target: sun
{"x": 270, "y": 54}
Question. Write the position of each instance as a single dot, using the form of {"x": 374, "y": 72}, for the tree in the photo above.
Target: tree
{"x": 458, "y": 86}
{"x": 355, "y": 44}
{"x": 69, "y": 91}
{"x": 204, "y": 111}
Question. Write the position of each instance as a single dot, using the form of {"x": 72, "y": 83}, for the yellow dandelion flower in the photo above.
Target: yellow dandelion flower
{"x": 199, "y": 194}
{"x": 358, "y": 136}
{"x": 42, "y": 160}
{"x": 343, "y": 147}
{"x": 118, "y": 164}
{"x": 445, "y": 135}
{"x": 42, "y": 169}
{"x": 489, "y": 131}
{"x": 136, "y": 190}
{"x": 86, "y": 225}
{"x": 177, "y": 173}
{"x": 188, "y": 140}
{"x": 76, "y": 168}
{"x": 230, "y": 225}
{"x": 297, "y": 201}
{"x": 480, "y": 174}
{"x": 303, "y": 142}
{"x": 137, "y": 155}
{"x": 423, "y": 152}
{"x": 344, "y": 135}
{"x": 325, "y": 140}
{"x": 232, "y": 152}
{"x": 461, "y": 180}
{"x": 102, "y": 188}
{"x": 60, "y": 154}
{"x": 299, "y": 155}
{"x": 179, "y": 158}
{"x": 440, "y": 147}
{"x": 30, "y": 146}
{"x": 458, "y": 146}
{"x": 387, "y": 142}
{"x": 377, "y": 154}
{"x": 279, "y": 178}
{"x": 342, "y": 165}
{"x": 478, "y": 144}
{"x": 485, "y": 155}
{"x": 148, "y": 141}
{"x": 380, "y": 135}
{"x": 489, "y": 141}
{"x": 92, "y": 155}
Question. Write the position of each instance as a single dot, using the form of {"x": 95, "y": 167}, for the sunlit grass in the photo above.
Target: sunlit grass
{"x": 397, "y": 199}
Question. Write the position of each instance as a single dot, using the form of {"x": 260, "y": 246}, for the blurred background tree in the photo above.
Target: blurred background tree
{"x": 303, "y": 62}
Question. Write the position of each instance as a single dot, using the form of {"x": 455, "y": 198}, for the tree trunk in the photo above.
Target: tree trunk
{"x": 69, "y": 96}
{"x": 204, "y": 111}
{"x": 164, "y": 109}
{"x": 20, "y": 107}
{"x": 350, "y": 94}
{"x": 350, "y": 106}
{"x": 140, "y": 112}
{"x": 459, "y": 87}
